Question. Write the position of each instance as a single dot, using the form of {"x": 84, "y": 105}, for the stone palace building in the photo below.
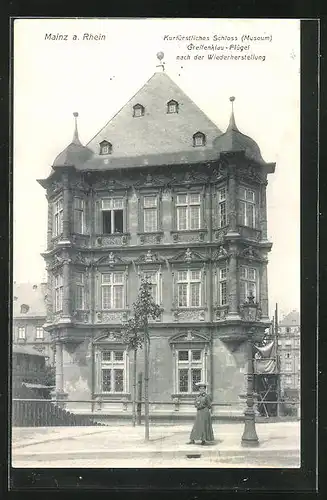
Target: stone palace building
{"x": 159, "y": 191}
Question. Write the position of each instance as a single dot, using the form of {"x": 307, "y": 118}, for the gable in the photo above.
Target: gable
{"x": 110, "y": 259}
{"x": 188, "y": 256}
{"x": 189, "y": 336}
{"x": 149, "y": 258}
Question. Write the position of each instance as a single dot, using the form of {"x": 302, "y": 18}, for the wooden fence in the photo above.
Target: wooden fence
{"x": 29, "y": 413}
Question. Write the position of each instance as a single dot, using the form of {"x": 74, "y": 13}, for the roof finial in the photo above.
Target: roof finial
{"x": 232, "y": 124}
{"x": 160, "y": 56}
{"x": 75, "y": 137}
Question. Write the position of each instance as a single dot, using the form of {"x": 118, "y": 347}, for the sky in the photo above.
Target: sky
{"x": 54, "y": 78}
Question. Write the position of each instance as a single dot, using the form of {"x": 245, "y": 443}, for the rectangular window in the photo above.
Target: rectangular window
{"x": 112, "y": 215}
{"x": 248, "y": 283}
{"x": 190, "y": 369}
{"x": 39, "y": 332}
{"x": 79, "y": 291}
{"x": 78, "y": 215}
{"x": 59, "y": 291}
{"x": 222, "y": 209}
{"x": 223, "y": 286}
{"x": 58, "y": 217}
{"x": 189, "y": 288}
{"x": 288, "y": 366}
{"x": 113, "y": 371}
{"x": 153, "y": 277}
{"x": 247, "y": 207}
{"x": 21, "y": 332}
{"x": 188, "y": 211}
{"x": 150, "y": 211}
{"x": 112, "y": 290}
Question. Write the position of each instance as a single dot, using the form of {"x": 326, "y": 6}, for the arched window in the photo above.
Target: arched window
{"x": 172, "y": 106}
{"x": 199, "y": 139}
{"x": 138, "y": 110}
{"x": 105, "y": 148}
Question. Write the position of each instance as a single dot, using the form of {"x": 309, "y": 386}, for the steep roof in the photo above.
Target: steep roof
{"x": 24, "y": 349}
{"x": 32, "y": 295}
{"x": 157, "y": 132}
{"x": 291, "y": 319}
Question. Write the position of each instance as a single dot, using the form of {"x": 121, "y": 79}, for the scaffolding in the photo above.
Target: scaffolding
{"x": 277, "y": 389}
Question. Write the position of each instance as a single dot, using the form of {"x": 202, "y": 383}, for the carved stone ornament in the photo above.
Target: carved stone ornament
{"x": 110, "y": 259}
{"x": 250, "y": 253}
{"x": 188, "y": 255}
{"x": 250, "y": 172}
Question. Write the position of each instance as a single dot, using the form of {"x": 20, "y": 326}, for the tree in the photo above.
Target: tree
{"x": 136, "y": 334}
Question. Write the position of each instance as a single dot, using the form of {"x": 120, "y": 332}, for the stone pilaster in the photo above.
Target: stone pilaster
{"x": 59, "y": 393}
{"x": 232, "y": 202}
{"x": 264, "y": 291}
{"x": 66, "y": 198}
{"x": 50, "y": 222}
{"x": 233, "y": 309}
{"x": 66, "y": 300}
{"x": 263, "y": 211}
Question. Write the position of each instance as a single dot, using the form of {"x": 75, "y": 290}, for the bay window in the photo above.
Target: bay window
{"x": 59, "y": 291}
{"x": 112, "y": 290}
{"x": 247, "y": 207}
{"x": 222, "y": 207}
{"x": 78, "y": 215}
{"x": 58, "y": 217}
{"x": 248, "y": 283}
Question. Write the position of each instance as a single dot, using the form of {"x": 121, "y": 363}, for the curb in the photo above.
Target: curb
{"x": 142, "y": 453}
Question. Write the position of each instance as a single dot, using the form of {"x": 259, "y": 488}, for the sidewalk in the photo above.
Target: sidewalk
{"x": 169, "y": 442}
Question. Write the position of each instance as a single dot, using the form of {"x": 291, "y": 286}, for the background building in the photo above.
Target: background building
{"x": 159, "y": 191}
{"x": 289, "y": 332}
{"x": 29, "y": 316}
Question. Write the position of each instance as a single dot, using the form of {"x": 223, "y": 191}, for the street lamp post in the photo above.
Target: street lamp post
{"x": 250, "y": 438}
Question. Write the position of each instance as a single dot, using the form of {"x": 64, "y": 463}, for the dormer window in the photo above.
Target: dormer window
{"x": 105, "y": 148}
{"x": 172, "y": 106}
{"x": 138, "y": 110}
{"x": 24, "y": 308}
{"x": 199, "y": 139}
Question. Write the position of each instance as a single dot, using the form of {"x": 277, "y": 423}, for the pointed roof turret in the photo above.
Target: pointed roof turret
{"x": 232, "y": 124}
{"x": 75, "y": 153}
{"x": 75, "y": 136}
{"x": 234, "y": 141}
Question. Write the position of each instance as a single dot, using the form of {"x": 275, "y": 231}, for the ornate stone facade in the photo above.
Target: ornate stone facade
{"x": 196, "y": 226}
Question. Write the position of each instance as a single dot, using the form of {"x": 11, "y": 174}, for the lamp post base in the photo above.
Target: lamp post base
{"x": 250, "y": 438}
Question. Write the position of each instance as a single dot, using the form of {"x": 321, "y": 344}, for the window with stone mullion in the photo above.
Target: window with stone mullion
{"x": 112, "y": 371}
{"x": 188, "y": 207}
{"x": 189, "y": 288}
{"x": 190, "y": 369}
{"x": 248, "y": 283}
{"x": 112, "y": 291}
